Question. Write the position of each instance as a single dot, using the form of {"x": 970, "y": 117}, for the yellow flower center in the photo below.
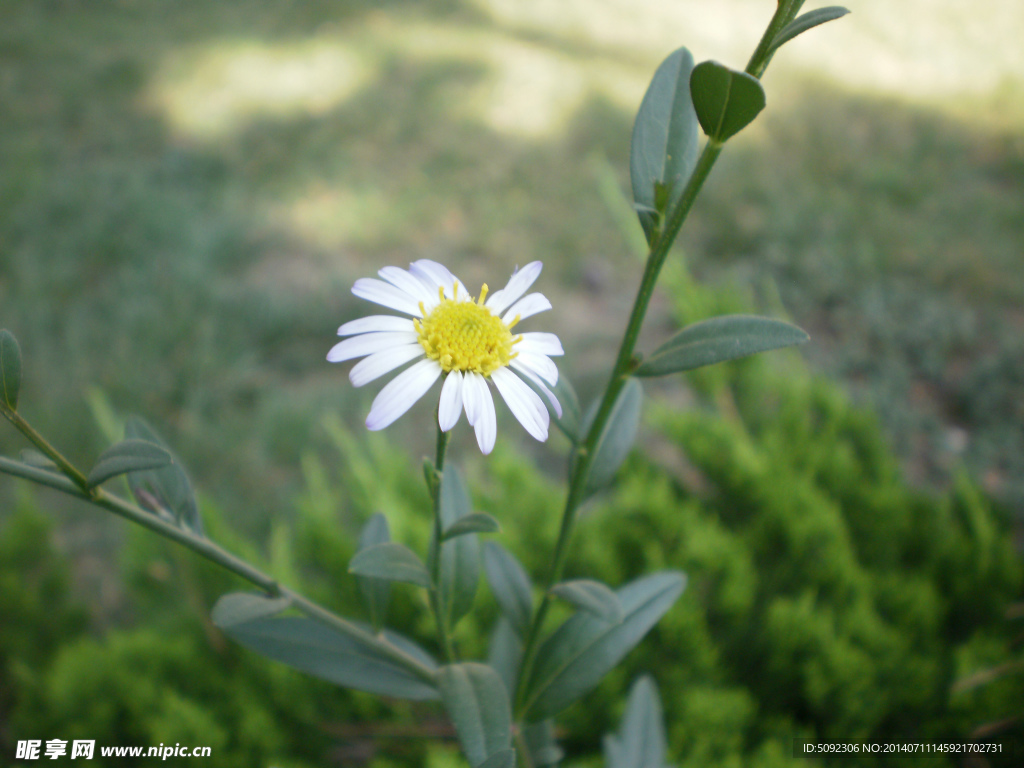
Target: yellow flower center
{"x": 466, "y": 336}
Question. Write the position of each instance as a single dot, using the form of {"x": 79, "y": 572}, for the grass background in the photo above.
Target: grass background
{"x": 188, "y": 190}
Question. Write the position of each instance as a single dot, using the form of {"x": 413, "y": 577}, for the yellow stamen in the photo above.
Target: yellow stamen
{"x": 466, "y": 336}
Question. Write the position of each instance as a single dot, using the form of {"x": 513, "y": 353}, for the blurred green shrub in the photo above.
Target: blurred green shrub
{"x": 827, "y": 598}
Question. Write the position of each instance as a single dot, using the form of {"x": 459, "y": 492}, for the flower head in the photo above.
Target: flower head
{"x": 468, "y": 341}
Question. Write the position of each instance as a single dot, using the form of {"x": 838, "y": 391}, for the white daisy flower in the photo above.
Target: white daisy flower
{"x": 469, "y": 342}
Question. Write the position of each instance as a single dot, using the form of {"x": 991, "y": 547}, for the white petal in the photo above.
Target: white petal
{"x": 367, "y": 344}
{"x": 523, "y": 402}
{"x": 474, "y": 390}
{"x": 374, "y": 323}
{"x": 540, "y": 343}
{"x": 435, "y": 276}
{"x": 518, "y": 284}
{"x": 487, "y": 422}
{"x": 540, "y": 365}
{"x": 541, "y": 386}
{"x": 450, "y": 407}
{"x": 526, "y": 306}
{"x": 401, "y": 393}
{"x": 379, "y": 363}
{"x": 387, "y": 295}
{"x": 404, "y": 281}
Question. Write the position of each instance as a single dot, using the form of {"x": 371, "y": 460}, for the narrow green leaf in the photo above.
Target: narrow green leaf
{"x": 317, "y": 650}
{"x": 460, "y": 557}
{"x": 569, "y": 420}
{"x": 376, "y": 592}
{"x": 640, "y": 742}
{"x": 614, "y": 443}
{"x": 478, "y": 522}
{"x": 391, "y": 561}
{"x": 726, "y": 100}
{"x": 430, "y": 475}
{"x": 506, "y": 758}
{"x": 580, "y": 652}
{"x": 505, "y": 652}
{"x": 10, "y": 369}
{"x": 128, "y": 456}
{"x": 478, "y": 704}
{"x": 721, "y": 338}
{"x": 591, "y": 596}
{"x": 165, "y": 491}
{"x": 663, "y": 150}
{"x": 35, "y": 458}
{"x": 241, "y": 607}
{"x": 541, "y": 744}
{"x": 807, "y": 21}
{"x": 510, "y": 585}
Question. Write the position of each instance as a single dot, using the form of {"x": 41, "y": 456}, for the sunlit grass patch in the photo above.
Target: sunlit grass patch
{"x": 527, "y": 88}
{"x": 223, "y": 87}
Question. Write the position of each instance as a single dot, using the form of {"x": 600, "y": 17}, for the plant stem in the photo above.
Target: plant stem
{"x": 625, "y": 363}
{"x": 620, "y": 373}
{"x": 216, "y": 554}
{"x": 443, "y": 634}
{"x": 43, "y": 445}
{"x": 525, "y": 758}
{"x": 762, "y": 56}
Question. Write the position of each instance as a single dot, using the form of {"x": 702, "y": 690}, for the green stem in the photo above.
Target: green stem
{"x": 620, "y": 373}
{"x": 762, "y": 56}
{"x": 43, "y": 445}
{"x": 625, "y": 363}
{"x": 216, "y": 554}
{"x": 443, "y": 634}
{"x": 525, "y": 758}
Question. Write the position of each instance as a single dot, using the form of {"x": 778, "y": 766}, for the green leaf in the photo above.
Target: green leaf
{"x": 721, "y": 338}
{"x": 511, "y": 586}
{"x": 390, "y": 561}
{"x": 10, "y": 369}
{"x": 726, "y": 99}
{"x": 807, "y": 21}
{"x": 376, "y": 592}
{"x": 640, "y": 742}
{"x": 505, "y": 651}
{"x": 430, "y": 475}
{"x": 506, "y": 758}
{"x": 541, "y": 744}
{"x": 478, "y": 704}
{"x": 580, "y": 652}
{"x": 591, "y": 596}
{"x": 477, "y": 522}
{"x": 460, "y": 557}
{"x": 614, "y": 443}
{"x": 320, "y": 651}
{"x": 165, "y": 491}
{"x": 38, "y": 459}
{"x": 128, "y": 456}
{"x": 663, "y": 150}
{"x": 242, "y": 607}
{"x": 563, "y": 391}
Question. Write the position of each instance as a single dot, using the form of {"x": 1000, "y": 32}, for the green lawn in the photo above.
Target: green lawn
{"x": 187, "y": 191}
